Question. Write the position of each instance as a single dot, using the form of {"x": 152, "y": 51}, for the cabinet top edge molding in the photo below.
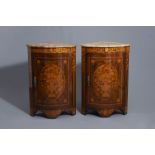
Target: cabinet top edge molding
{"x": 50, "y": 45}
{"x": 105, "y": 44}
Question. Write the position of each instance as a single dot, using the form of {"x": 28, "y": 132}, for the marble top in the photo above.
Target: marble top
{"x": 105, "y": 44}
{"x": 50, "y": 45}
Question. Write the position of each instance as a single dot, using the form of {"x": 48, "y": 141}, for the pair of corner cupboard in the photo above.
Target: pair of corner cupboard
{"x": 52, "y": 78}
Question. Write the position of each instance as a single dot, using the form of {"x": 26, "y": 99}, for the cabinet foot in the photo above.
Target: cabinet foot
{"x": 52, "y": 113}
{"x": 125, "y": 110}
{"x": 33, "y": 112}
{"x": 83, "y": 111}
{"x": 72, "y": 111}
{"x": 105, "y": 112}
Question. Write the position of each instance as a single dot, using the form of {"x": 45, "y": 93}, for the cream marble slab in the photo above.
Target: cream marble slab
{"x": 50, "y": 45}
{"x": 105, "y": 44}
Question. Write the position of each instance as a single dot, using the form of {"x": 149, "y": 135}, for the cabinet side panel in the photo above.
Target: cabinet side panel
{"x": 126, "y": 74}
{"x": 74, "y": 77}
{"x": 31, "y": 97}
{"x": 30, "y": 67}
{"x": 83, "y": 109}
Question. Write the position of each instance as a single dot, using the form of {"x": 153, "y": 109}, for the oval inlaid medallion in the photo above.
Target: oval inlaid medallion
{"x": 105, "y": 81}
{"x": 51, "y": 81}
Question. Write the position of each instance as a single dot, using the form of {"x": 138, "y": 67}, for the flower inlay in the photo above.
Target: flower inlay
{"x": 51, "y": 81}
{"x": 105, "y": 81}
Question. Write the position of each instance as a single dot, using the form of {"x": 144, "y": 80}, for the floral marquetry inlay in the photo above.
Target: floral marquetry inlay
{"x": 52, "y": 81}
{"x": 105, "y": 80}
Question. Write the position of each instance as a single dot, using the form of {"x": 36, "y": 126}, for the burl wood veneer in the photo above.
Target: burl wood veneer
{"x": 52, "y": 75}
{"x": 105, "y": 78}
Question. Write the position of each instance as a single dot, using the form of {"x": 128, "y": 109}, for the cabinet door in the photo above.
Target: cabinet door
{"x": 52, "y": 79}
{"x": 105, "y": 79}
